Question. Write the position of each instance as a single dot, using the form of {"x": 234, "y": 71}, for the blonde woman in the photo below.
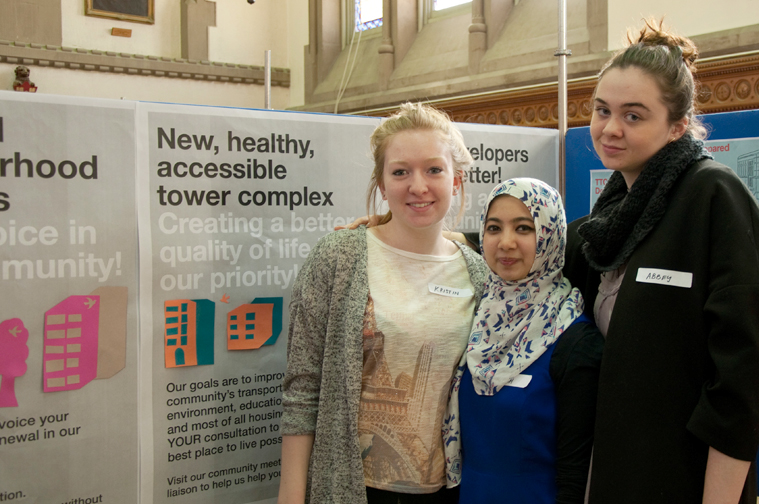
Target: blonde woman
{"x": 378, "y": 321}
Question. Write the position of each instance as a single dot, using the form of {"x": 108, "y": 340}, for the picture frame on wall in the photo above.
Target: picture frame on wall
{"x": 137, "y": 11}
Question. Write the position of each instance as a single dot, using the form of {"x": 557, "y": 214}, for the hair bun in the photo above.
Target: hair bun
{"x": 670, "y": 59}
{"x": 654, "y": 33}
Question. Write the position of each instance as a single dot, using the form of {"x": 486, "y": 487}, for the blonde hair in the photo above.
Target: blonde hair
{"x": 670, "y": 60}
{"x": 412, "y": 117}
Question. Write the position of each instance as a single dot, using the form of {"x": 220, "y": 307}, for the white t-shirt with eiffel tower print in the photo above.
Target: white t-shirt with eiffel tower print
{"x": 416, "y": 327}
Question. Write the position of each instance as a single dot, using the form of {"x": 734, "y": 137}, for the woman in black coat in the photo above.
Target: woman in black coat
{"x": 668, "y": 264}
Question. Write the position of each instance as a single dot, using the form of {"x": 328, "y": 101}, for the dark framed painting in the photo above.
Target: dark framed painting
{"x": 138, "y": 11}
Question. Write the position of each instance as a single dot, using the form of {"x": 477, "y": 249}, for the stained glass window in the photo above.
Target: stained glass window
{"x": 368, "y": 14}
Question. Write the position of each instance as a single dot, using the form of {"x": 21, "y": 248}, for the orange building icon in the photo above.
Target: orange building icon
{"x": 251, "y": 326}
{"x": 188, "y": 332}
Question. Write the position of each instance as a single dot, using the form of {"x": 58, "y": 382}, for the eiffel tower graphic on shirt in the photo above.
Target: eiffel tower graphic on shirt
{"x": 391, "y": 411}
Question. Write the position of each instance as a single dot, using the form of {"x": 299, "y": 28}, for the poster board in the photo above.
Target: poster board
{"x": 68, "y": 321}
{"x": 187, "y": 242}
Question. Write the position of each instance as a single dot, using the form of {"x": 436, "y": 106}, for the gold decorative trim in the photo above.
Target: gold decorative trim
{"x": 17, "y": 53}
{"x": 727, "y": 83}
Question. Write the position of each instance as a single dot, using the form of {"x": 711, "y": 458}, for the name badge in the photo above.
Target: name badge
{"x": 519, "y": 381}
{"x": 665, "y": 277}
{"x": 449, "y": 291}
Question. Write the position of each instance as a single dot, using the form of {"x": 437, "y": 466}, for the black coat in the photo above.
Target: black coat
{"x": 680, "y": 370}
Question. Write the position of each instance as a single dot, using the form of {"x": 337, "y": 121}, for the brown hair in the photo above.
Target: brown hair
{"x": 670, "y": 60}
{"x": 411, "y": 117}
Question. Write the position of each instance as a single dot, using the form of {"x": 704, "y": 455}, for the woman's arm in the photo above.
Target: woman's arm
{"x": 574, "y": 369}
{"x": 296, "y": 453}
{"x": 727, "y": 413}
{"x": 576, "y": 268}
{"x": 725, "y": 477}
{"x": 301, "y": 387}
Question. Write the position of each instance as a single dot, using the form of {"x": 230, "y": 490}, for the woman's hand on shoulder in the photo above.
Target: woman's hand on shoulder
{"x": 459, "y": 237}
{"x": 366, "y": 220}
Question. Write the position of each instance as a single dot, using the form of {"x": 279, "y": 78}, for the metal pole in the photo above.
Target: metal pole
{"x": 562, "y": 53}
{"x": 267, "y": 79}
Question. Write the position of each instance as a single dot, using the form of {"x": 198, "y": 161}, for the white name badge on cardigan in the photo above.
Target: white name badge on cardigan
{"x": 519, "y": 381}
{"x": 665, "y": 277}
{"x": 449, "y": 291}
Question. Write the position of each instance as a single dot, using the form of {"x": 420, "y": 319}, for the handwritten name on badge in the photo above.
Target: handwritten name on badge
{"x": 449, "y": 291}
{"x": 665, "y": 277}
{"x": 519, "y": 381}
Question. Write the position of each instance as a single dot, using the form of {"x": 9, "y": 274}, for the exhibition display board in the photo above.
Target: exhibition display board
{"x": 68, "y": 329}
{"x": 147, "y": 253}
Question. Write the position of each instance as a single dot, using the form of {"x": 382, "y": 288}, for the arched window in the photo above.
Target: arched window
{"x": 368, "y": 14}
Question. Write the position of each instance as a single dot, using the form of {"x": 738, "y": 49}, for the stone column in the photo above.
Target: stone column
{"x": 386, "y": 49}
{"x": 324, "y": 42}
{"x": 478, "y": 33}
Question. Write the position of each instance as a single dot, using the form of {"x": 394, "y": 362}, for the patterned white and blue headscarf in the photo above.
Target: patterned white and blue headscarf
{"x": 517, "y": 320}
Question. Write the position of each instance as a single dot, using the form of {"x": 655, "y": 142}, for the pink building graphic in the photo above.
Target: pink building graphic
{"x": 84, "y": 339}
{"x": 71, "y": 343}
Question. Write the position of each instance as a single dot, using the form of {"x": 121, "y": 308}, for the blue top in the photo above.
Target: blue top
{"x": 520, "y": 461}
{"x": 514, "y": 441}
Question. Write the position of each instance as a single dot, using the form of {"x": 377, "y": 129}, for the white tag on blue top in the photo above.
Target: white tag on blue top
{"x": 665, "y": 277}
{"x": 519, "y": 381}
{"x": 449, "y": 291}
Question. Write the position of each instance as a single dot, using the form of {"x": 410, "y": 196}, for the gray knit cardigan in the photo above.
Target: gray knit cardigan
{"x": 322, "y": 386}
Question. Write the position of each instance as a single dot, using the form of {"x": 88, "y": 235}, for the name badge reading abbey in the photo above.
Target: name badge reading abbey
{"x": 665, "y": 277}
{"x": 449, "y": 291}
